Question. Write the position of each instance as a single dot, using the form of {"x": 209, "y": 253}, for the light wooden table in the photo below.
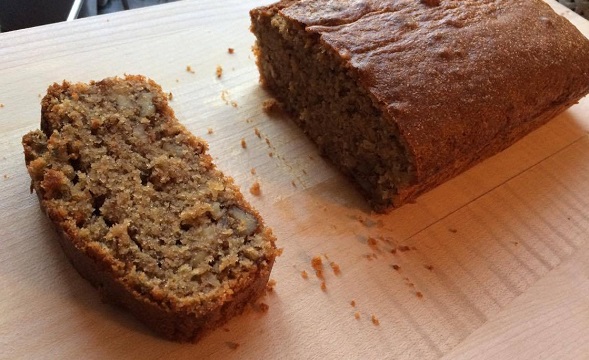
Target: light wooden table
{"x": 499, "y": 254}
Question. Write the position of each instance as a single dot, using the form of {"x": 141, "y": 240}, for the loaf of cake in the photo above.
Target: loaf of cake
{"x": 402, "y": 95}
{"x": 141, "y": 210}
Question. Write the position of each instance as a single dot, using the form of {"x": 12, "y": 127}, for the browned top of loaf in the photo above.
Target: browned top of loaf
{"x": 131, "y": 188}
{"x": 452, "y": 76}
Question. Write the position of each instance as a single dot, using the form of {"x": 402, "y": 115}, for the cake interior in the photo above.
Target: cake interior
{"x": 314, "y": 84}
{"x": 122, "y": 176}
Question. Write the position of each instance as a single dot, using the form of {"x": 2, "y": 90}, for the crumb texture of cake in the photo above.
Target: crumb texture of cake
{"x": 142, "y": 211}
{"x": 402, "y": 95}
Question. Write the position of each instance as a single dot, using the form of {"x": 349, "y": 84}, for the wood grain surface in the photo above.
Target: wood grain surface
{"x": 494, "y": 264}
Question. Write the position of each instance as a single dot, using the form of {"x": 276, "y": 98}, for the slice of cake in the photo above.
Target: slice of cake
{"x": 404, "y": 94}
{"x": 141, "y": 210}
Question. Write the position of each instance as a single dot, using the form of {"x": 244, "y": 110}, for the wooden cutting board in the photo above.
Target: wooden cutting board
{"x": 492, "y": 264}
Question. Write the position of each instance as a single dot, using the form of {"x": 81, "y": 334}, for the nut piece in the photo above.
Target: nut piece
{"x": 247, "y": 222}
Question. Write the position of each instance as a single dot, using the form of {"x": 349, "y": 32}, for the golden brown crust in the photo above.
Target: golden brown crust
{"x": 456, "y": 82}
{"x": 141, "y": 210}
{"x": 174, "y": 325}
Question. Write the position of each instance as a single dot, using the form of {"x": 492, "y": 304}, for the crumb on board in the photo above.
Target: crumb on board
{"x": 375, "y": 320}
{"x": 323, "y": 286}
{"x": 453, "y": 230}
{"x": 396, "y": 267}
{"x": 257, "y": 132}
{"x": 177, "y": 80}
{"x": 210, "y": 131}
{"x": 335, "y": 267}
{"x": 231, "y": 50}
{"x": 189, "y": 69}
{"x": 429, "y": 267}
{"x": 253, "y": 171}
{"x": 270, "y": 106}
{"x": 293, "y": 184}
{"x": 353, "y": 303}
{"x": 255, "y": 189}
{"x": 419, "y": 294}
{"x": 317, "y": 265}
{"x": 270, "y": 285}
{"x": 357, "y": 315}
{"x": 267, "y": 141}
{"x": 270, "y": 153}
{"x": 262, "y": 307}
{"x": 304, "y": 275}
{"x": 1, "y": 105}
{"x": 219, "y": 71}
{"x": 243, "y": 143}
{"x": 371, "y": 241}
{"x": 232, "y": 345}
{"x": 170, "y": 96}
{"x": 233, "y": 103}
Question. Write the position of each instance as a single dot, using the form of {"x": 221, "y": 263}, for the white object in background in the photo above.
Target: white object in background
{"x": 75, "y": 10}
{"x": 581, "y": 7}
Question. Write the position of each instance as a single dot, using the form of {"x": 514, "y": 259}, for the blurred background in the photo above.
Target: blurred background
{"x": 21, "y": 14}
{"x": 581, "y": 7}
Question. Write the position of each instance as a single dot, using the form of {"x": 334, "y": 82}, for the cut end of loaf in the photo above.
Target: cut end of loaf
{"x": 144, "y": 213}
{"x": 313, "y": 83}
